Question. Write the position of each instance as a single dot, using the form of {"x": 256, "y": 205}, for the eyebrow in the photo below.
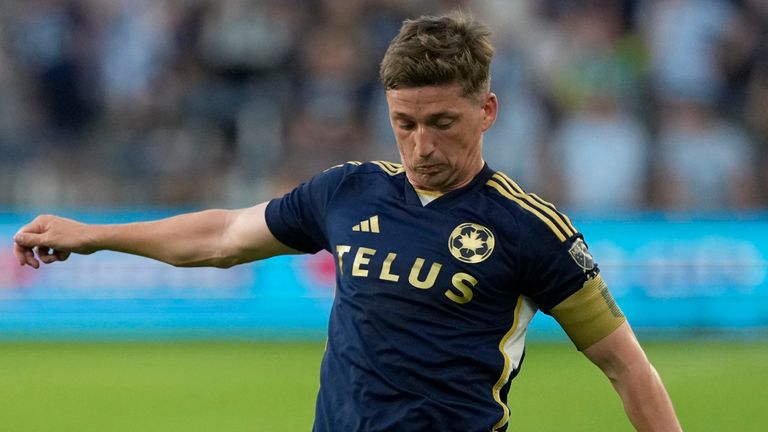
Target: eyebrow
{"x": 432, "y": 117}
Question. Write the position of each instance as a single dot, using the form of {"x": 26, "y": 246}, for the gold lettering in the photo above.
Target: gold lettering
{"x": 460, "y": 281}
{"x": 427, "y": 283}
{"x": 385, "y": 269}
{"x": 340, "y": 251}
{"x": 362, "y": 257}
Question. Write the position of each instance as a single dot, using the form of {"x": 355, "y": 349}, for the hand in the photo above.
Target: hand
{"x": 50, "y": 239}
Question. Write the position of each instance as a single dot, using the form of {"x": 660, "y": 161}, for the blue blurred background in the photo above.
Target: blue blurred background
{"x": 646, "y": 121}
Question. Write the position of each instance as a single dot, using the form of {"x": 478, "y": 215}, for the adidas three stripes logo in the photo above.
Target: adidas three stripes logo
{"x": 369, "y": 225}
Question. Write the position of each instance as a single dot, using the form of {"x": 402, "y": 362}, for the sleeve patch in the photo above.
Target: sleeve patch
{"x": 582, "y": 256}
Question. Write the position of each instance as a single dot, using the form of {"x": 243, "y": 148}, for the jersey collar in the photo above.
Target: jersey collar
{"x": 447, "y": 198}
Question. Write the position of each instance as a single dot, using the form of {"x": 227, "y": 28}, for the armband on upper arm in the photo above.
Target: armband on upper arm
{"x": 589, "y": 314}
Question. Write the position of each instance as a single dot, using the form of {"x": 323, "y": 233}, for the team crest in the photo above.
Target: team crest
{"x": 581, "y": 255}
{"x": 471, "y": 243}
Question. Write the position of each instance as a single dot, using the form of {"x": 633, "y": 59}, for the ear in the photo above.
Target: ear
{"x": 490, "y": 110}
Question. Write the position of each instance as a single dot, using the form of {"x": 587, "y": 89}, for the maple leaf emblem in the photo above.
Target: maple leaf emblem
{"x": 471, "y": 241}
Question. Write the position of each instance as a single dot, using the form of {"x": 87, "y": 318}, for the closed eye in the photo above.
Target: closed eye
{"x": 407, "y": 126}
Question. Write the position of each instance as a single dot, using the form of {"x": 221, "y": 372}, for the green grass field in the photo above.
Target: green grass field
{"x": 271, "y": 387}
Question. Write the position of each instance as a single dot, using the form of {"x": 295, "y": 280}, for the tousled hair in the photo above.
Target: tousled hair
{"x": 439, "y": 50}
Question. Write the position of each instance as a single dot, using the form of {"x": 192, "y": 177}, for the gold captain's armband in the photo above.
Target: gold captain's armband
{"x": 589, "y": 314}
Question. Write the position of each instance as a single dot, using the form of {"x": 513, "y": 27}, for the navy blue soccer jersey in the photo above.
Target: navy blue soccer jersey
{"x": 432, "y": 301}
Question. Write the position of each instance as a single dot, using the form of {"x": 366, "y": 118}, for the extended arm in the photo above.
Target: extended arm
{"x": 599, "y": 329}
{"x": 218, "y": 238}
{"x": 623, "y": 361}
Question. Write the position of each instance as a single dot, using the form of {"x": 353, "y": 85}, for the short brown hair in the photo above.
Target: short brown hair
{"x": 432, "y": 50}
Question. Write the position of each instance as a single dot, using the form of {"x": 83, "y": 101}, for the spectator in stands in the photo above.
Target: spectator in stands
{"x": 703, "y": 162}
{"x": 600, "y": 149}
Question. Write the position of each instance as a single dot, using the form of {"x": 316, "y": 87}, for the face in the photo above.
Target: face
{"x": 439, "y": 133}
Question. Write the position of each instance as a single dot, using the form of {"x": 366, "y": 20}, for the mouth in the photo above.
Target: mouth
{"x": 428, "y": 169}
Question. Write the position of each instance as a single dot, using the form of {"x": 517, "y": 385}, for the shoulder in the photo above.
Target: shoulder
{"x": 534, "y": 215}
{"x": 350, "y": 174}
{"x": 338, "y": 173}
{"x": 368, "y": 171}
{"x": 372, "y": 167}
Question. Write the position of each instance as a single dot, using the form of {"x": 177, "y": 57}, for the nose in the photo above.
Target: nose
{"x": 424, "y": 144}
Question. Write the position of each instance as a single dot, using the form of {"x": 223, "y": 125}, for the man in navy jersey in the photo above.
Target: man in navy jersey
{"x": 441, "y": 261}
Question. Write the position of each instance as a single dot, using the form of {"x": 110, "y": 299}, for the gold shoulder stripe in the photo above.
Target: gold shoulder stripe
{"x": 389, "y": 167}
{"x": 563, "y": 216}
{"x": 525, "y": 205}
{"x": 540, "y": 204}
{"x": 538, "y": 199}
{"x": 386, "y": 163}
{"x": 384, "y": 168}
{"x": 394, "y": 166}
{"x": 511, "y": 183}
{"x": 507, "y": 364}
{"x": 547, "y": 207}
{"x": 341, "y": 165}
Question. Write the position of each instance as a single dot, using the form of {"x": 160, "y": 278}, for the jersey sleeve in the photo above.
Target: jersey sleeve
{"x": 563, "y": 279}
{"x": 297, "y": 218}
{"x": 553, "y": 268}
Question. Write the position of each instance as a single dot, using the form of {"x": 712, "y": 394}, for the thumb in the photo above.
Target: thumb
{"x": 28, "y": 239}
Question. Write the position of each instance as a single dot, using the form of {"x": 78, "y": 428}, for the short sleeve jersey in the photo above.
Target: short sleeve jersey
{"x": 432, "y": 301}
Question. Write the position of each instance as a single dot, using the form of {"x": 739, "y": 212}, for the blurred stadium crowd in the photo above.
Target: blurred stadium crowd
{"x": 605, "y": 105}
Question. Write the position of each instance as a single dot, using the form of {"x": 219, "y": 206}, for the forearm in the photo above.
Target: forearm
{"x": 645, "y": 400}
{"x": 623, "y": 361}
{"x": 217, "y": 238}
{"x": 193, "y": 239}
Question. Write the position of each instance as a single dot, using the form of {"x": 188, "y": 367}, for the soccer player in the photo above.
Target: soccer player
{"x": 441, "y": 261}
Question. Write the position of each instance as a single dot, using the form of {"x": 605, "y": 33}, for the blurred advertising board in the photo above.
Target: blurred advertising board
{"x": 666, "y": 274}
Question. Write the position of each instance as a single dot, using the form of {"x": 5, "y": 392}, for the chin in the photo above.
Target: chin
{"x": 434, "y": 184}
